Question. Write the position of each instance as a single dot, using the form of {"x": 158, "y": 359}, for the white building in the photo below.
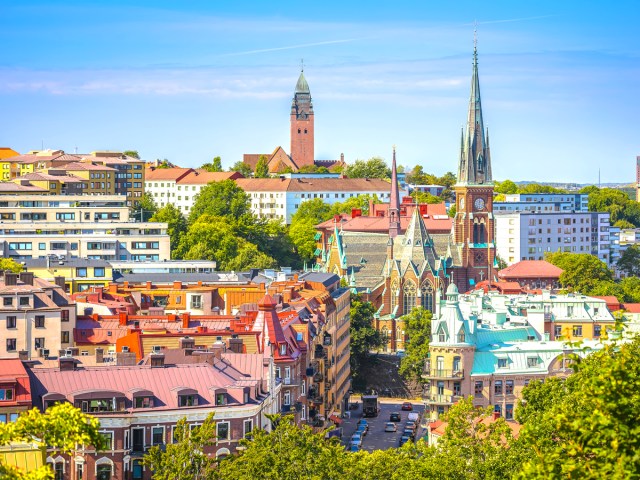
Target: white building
{"x": 281, "y": 197}
{"x": 543, "y": 202}
{"x": 82, "y": 226}
{"x": 529, "y": 235}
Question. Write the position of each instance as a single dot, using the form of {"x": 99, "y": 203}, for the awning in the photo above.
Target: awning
{"x": 335, "y": 419}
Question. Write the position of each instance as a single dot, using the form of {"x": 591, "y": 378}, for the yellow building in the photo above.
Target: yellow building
{"x": 27, "y": 457}
{"x": 79, "y": 273}
{"x": 99, "y": 179}
{"x": 5, "y": 164}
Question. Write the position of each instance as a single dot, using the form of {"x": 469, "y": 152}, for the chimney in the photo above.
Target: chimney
{"x": 99, "y": 355}
{"x": 342, "y": 157}
{"x": 125, "y": 359}
{"x": 10, "y": 278}
{"x": 236, "y": 345}
{"x": 356, "y": 212}
{"x": 122, "y": 319}
{"x": 149, "y": 285}
{"x": 66, "y": 364}
{"x": 59, "y": 281}
{"x": 496, "y": 415}
{"x": 177, "y": 285}
{"x": 186, "y": 318}
{"x": 217, "y": 350}
{"x": 126, "y": 284}
{"x": 157, "y": 360}
{"x": 187, "y": 342}
{"x": 23, "y": 355}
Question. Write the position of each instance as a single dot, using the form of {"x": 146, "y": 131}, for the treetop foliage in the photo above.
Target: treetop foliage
{"x": 375, "y": 167}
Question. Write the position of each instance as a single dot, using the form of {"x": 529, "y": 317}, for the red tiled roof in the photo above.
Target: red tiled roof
{"x": 12, "y": 371}
{"x": 381, "y": 224}
{"x": 531, "y": 269}
{"x": 202, "y": 177}
{"x": 14, "y": 187}
{"x": 632, "y": 307}
{"x": 175, "y": 174}
{"x": 78, "y": 166}
{"x": 313, "y": 185}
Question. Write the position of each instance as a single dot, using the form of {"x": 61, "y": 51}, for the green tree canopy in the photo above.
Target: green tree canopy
{"x": 62, "y": 427}
{"x": 10, "y": 264}
{"x": 617, "y": 203}
{"x": 629, "y": 261}
{"x": 222, "y": 199}
{"x": 262, "y": 167}
{"x": 242, "y": 168}
{"x": 132, "y": 154}
{"x": 145, "y": 208}
{"x": 184, "y": 458}
{"x": 425, "y": 197}
{"x": 314, "y": 210}
{"x": 302, "y": 234}
{"x": 417, "y": 327}
{"x": 582, "y": 271}
{"x": 506, "y": 187}
{"x": 373, "y": 168}
{"x": 364, "y": 336}
{"x": 214, "y": 166}
{"x": 176, "y": 223}
{"x": 313, "y": 169}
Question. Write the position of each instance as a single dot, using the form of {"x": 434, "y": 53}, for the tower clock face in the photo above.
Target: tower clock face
{"x": 479, "y": 204}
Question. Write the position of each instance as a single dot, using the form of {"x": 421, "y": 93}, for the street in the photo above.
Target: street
{"x": 377, "y": 438}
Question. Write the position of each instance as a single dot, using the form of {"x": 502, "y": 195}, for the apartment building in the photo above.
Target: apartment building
{"x": 37, "y": 318}
{"x": 83, "y": 226}
{"x": 543, "y": 202}
{"x": 99, "y": 179}
{"x": 129, "y": 176}
{"x": 529, "y": 235}
{"x": 79, "y": 274}
{"x": 280, "y": 198}
{"x": 492, "y": 350}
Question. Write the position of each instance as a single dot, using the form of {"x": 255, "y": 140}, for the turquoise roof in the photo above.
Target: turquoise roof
{"x": 488, "y": 336}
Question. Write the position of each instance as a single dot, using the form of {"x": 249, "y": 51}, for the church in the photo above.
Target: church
{"x": 408, "y": 265}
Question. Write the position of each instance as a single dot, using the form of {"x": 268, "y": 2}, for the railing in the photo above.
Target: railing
{"x": 443, "y": 399}
{"x": 440, "y": 373}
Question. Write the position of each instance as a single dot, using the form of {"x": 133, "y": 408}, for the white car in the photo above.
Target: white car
{"x": 390, "y": 427}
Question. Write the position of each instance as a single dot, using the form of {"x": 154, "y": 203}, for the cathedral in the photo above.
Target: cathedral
{"x": 408, "y": 266}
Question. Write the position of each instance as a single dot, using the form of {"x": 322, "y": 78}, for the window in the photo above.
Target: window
{"x": 498, "y": 409}
{"x": 196, "y": 301}
{"x": 103, "y": 472}
{"x": 64, "y": 316}
{"x": 39, "y": 321}
{"x": 39, "y": 342}
{"x": 221, "y": 398}
{"x": 58, "y": 471}
{"x": 24, "y": 301}
{"x": 157, "y": 436}
{"x": 42, "y": 246}
{"x": 65, "y": 216}
{"x": 6, "y": 394}
{"x": 508, "y": 387}
{"x": 557, "y": 331}
{"x": 597, "y": 330}
{"x": 409, "y": 296}
{"x": 108, "y": 440}
{"x": 98, "y": 271}
{"x": 283, "y": 349}
{"x": 11, "y": 344}
{"x": 11, "y": 322}
{"x": 532, "y": 362}
{"x": 508, "y": 411}
{"x": 81, "y": 272}
{"x": 247, "y": 427}
{"x": 142, "y": 402}
{"x": 569, "y": 310}
{"x": 7, "y": 301}
{"x": 187, "y": 400}
{"x": 497, "y": 387}
{"x": 64, "y": 337}
{"x": 222, "y": 429}
{"x": 427, "y": 296}
{"x": 502, "y": 363}
{"x": 478, "y": 388}
{"x": 577, "y": 330}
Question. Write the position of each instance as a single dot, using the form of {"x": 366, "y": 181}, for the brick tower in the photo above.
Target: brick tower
{"x": 473, "y": 227}
{"x": 302, "y": 124}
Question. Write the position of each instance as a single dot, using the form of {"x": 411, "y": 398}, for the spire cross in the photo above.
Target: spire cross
{"x": 302, "y": 64}
{"x": 475, "y": 35}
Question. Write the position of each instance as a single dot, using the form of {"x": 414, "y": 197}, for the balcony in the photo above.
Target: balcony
{"x": 318, "y": 377}
{"x": 442, "y": 374}
{"x": 437, "y": 399}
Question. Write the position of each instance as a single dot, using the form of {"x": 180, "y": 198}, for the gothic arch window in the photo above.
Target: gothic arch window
{"x": 394, "y": 295}
{"x": 427, "y": 295}
{"x": 385, "y": 338}
{"x": 305, "y": 130}
{"x": 299, "y": 131}
{"x": 409, "y": 297}
{"x": 479, "y": 231}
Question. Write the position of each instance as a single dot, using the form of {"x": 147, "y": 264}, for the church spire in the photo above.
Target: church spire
{"x": 475, "y": 159}
{"x": 394, "y": 205}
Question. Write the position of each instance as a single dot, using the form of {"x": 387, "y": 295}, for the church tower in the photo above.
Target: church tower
{"x": 474, "y": 223}
{"x": 302, "y": 124}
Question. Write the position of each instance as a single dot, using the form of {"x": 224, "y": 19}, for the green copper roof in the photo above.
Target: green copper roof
{"x": 302, "y": 86}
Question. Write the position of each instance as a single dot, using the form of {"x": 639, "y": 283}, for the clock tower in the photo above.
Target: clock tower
{"x": 302, "y": 141}
{"x": 474, "y": 231}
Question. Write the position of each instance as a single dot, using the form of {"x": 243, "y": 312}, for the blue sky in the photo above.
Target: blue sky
{"x": 191, "y": 80}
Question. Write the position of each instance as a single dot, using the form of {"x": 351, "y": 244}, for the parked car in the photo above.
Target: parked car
{"x": 356, "y": 439}
{"x": 407, "y": 406}
{"x": 362, "y": 430}
{"x": 362, "y": 421}
{"x": 412, "y": 425}
{"x": 404, "y": 439}
{"x": 352, "y": 447}
{"x": 390, "y": 427}
{"x": 395, "y": 417}
{"x": 408, "y": 433}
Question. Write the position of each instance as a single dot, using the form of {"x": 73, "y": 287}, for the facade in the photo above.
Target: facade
{"x": 129, "y": 173}
{"x": 38, "y": 317}
{"x": 543, "y": 202}
{"x": 529, "y": 235}
{"x": 532, "y": 274}
{"x": 67, "y": 226}
{"x": 138, "y": 406}
{"x": 79, "y": 274}
{"x": 280, "y": 198}
{"x": 490, "y": 348}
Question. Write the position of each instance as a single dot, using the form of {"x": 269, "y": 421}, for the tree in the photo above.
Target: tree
{"x": 417, "y": 327}
{"x": 586, "y": 427}
{"x": 506, "y": 187}
{"x": 501, "y": 264}
{"x": 185, "y": 457}
{"x": 313, "y": 169}
{"x": 537, "y": 188}
{"x": 242, "y": 168}
{"x": 582, "y": 271}
{"x": 62, "y": 427}
{"x": 617, "y": 203}
{"x": 364, "y": 336}
{"x": 425, "y": 197}
{"x": 373, "y": 168}
{"x": 176, "y": 223}
{"x": 214, "y": 166}
{"x": 314, "y": 210}
{"x": 132, "y": 154}
{"x": 629, "y": 261}
{"x": 144, "y": 209}
{"x": 262, "y": 167}
{"x": 10, "y": 264}
{"x": 302, "y": 234}
{"x": 224, "y": 199}
{"x": 288, "y": 452}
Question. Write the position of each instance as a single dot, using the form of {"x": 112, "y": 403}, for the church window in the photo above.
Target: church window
{"x": 427, "y": 295}
{"x": 409, "y": 297}
{"x": 305, "y": 130}
{"x": 394, "y": 296}
{"x": 298, "y": 130}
